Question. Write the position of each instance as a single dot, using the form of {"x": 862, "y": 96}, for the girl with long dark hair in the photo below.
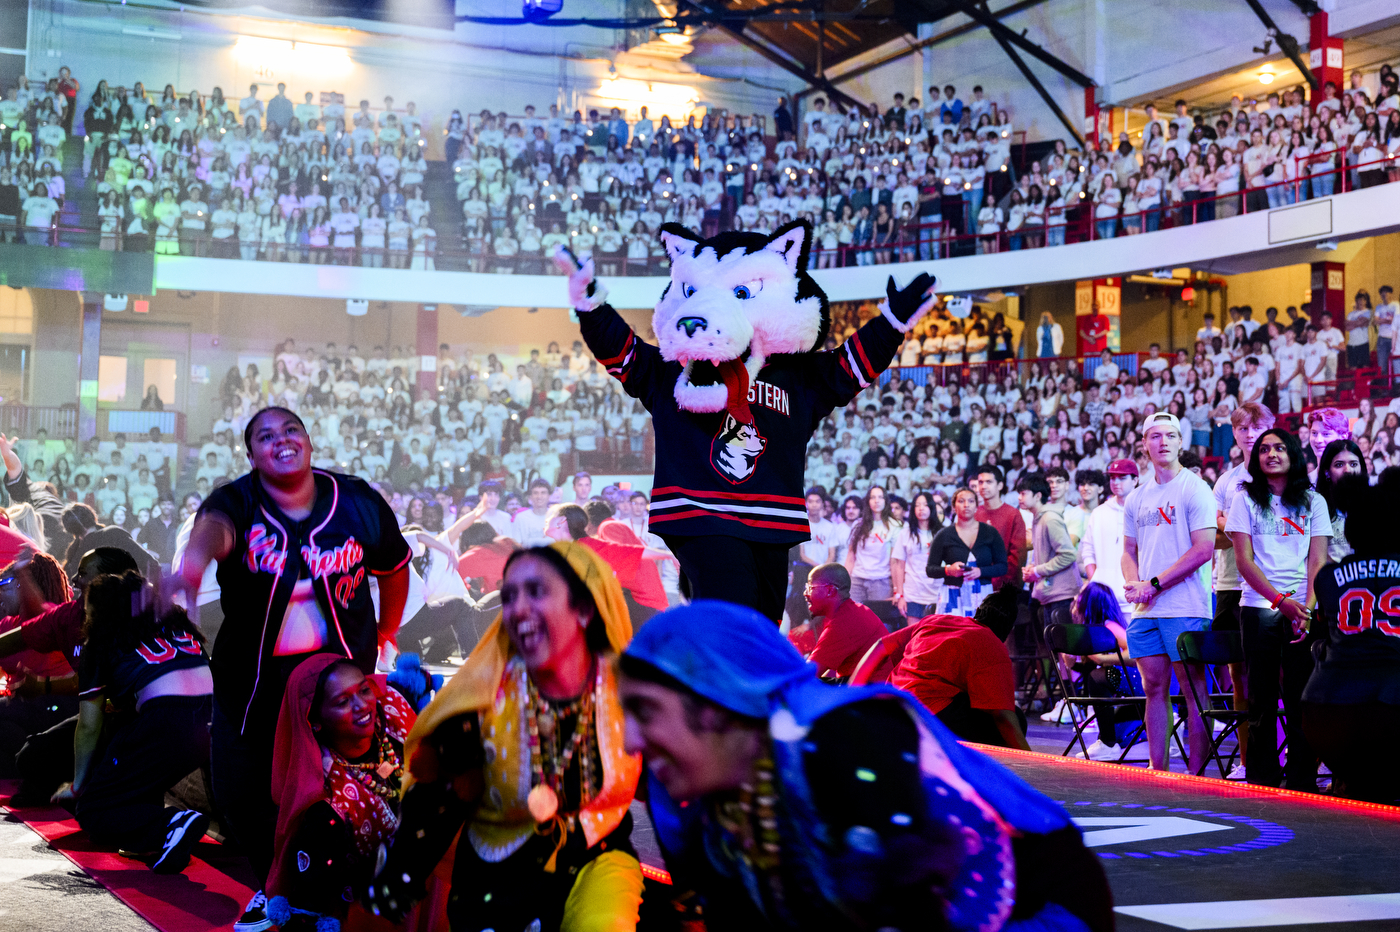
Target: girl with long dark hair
{"x": 1341, "y": 477}
{"x": 868, "y": 554}
{"x": 1280, "y": 529}
{"x": 915, "y": 593}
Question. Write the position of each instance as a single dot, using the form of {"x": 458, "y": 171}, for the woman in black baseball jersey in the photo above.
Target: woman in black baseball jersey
{"x": 295, "y": 548}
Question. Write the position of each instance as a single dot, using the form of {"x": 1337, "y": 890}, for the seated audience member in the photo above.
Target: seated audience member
{"x": 337, "y": 773}
{"x": 46, "y": 759}
{"x": 153, "y": 669}
{"x": 1102, "y": 676}
{"x": 439, "y": 612}
{"x": 722, "y": 708}
{"x": 27, "y": 589}
{"x": 844, "y": 628}
{"x": 959, "y": 668}
{"x": 1351, "y": 704}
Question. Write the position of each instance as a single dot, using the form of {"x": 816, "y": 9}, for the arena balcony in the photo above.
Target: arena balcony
{"x": 1298, "y": 232}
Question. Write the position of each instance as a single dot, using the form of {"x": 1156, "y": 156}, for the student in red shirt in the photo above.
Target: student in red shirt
{"x": 1007, "y": 521}
{"x": 483, "y": 561}
{"x": 629, "y": 561}
{"x": 960, "y": 670}
{"x": 846, "y": 629}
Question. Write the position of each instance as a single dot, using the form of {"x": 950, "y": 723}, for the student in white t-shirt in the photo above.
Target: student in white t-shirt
{"x": 1280, "y": 529}
{"x": 1385, "y": 318}
{"x": 915, "y": 593}
{"x": 1168, "y": 534}
{"x": 1314, "y": 364}
{"x": 820, "y": 548}
{"x": 1291, "y": 379}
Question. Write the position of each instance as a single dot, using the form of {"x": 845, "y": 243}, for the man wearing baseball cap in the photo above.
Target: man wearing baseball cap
{"x": 1169, "y": 532}
{"x": 1101, "y": 550}
{"x": 1247, "y": 422}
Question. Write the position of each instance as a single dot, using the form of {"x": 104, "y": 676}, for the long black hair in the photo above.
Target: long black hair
{"x": 934, "y": 524}
{"x": 1340, "y": 496}
{"x": 1295, "y": 489}
{"x": 123, "y": 610}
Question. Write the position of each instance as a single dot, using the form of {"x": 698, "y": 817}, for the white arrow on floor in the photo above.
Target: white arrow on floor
{"x": 1250, "y": 914}
{"x": 1127, "y": 829}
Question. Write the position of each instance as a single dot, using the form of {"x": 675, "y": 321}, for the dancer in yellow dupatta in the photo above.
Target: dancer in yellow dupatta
{"x": 524, "y": 747}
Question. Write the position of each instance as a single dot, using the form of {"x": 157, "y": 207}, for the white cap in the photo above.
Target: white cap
{"x": 1158, "y": 419}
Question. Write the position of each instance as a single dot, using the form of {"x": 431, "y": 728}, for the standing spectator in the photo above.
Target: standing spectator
{"x": 1052, "y": 566}
{"x": 868, "y": 551}
{"x": 1358, "y": 324}
{"x": 37, "y": 216}
{"x": 782, "y": 120}
{"x": 1168, "y": 534}
{"x": 916, "y": 595}
{"x": 966, "y": 550}
{"x": 1280, "y": 529}
{"x": 1007, "y": 521}
{"x": 280, "y": 110}
{"x": 1101, "y": 550}
{"x": 160, "y": 532}
{"x": 818, "y": 549}
{"x": 1385, "y": 317}
{"x": 250, "y": 107}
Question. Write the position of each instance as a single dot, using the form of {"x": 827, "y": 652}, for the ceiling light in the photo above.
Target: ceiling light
{"x": 1266, "y": 77}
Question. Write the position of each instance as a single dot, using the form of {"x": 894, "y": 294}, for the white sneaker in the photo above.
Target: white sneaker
{"x": 1058, "y": 715}
{"x": 1100, "y": 751}
{"x": 1237, "y": 772}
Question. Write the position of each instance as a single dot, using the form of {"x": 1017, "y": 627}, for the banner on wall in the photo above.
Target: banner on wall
{"x": 1098, "y": 307}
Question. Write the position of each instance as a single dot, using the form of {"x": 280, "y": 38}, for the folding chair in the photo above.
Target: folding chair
{"x": 1032, "y": 666}
{"x": 1082, "y": 640}
{"x": 1215, "y": 648}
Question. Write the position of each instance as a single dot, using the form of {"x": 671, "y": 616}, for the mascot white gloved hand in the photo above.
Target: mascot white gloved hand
{"x": 736, "y": 384}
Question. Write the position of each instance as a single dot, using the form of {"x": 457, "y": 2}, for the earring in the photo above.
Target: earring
{"x": 583, "y": 621}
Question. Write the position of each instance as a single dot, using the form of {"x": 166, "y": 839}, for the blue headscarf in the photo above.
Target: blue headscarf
{"x": 728, "y": 653}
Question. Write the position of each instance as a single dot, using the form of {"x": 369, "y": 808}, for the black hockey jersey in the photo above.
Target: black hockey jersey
{"x": 716, "y": 475}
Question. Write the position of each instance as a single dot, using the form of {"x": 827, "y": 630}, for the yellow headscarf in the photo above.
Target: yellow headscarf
{"x": 474, "y": 686}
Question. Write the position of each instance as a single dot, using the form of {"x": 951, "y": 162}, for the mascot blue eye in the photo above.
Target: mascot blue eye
{"x": 748, "y": 289}
{"x": 687, "y": 290}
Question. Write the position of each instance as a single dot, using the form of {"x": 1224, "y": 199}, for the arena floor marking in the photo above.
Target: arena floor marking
{"x": 1288, "y": 911}
{"x": 1241, "y": 856}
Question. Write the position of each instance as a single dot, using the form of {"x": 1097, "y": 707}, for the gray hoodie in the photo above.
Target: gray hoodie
{"x": 1052, "y": 556}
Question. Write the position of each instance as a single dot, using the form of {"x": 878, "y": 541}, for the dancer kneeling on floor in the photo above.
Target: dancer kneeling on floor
{"x": 337, "y": 772}
{"x": 152, "y": 669}
{"x": 525, "y": 746}
{"x": 786, "y": 803}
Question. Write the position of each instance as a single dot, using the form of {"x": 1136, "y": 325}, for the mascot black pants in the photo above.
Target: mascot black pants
{"x": 734, "y": 570}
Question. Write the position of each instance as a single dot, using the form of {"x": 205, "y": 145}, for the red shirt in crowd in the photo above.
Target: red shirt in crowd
{"x": 803, "y": 638}
{"x": 845, "y": 637}
{"x": 634, "y": 571}
{"x": 49, "y": 663}
{"x": 58, "y": 630}
{"x": 1012, "y": 527}
{"x": 486, "y": 562}
{"x": 950, "y": 654}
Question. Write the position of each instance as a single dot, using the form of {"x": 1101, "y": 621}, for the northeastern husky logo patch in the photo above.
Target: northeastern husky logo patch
{"x": 735, "y": 450}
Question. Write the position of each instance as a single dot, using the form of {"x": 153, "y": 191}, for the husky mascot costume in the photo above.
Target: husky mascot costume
{"x": 736, "y": 387}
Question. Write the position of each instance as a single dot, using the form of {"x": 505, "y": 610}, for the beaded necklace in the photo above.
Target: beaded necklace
{"x": 752, "y": 821}
{"x": 381, "y": 776}
{"x": 549, "y": 761}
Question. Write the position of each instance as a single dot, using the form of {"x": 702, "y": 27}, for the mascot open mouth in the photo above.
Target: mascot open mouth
{"x": 708, "y": 386}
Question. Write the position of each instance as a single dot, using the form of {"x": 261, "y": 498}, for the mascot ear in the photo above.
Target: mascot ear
{"x": 794, "y": 243}
{"x": 678, "y": 240}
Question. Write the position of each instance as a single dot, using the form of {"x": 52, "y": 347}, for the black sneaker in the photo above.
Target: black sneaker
{"x": 254, "y": 918}
{"x": 186, "y": 828}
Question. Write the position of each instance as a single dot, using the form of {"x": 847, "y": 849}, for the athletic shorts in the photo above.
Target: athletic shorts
{"x": 1149, "y": 636}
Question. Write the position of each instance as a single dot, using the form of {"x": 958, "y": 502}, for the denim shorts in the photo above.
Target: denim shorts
{"x": 1149, "y": 636}
{"x": 919, "y": 609}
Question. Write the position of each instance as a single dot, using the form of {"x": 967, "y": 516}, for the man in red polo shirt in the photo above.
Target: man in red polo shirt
{"x": 960, "y": 670}
{"x": 846, "y": 629}
{"x": 1006, "y": 519}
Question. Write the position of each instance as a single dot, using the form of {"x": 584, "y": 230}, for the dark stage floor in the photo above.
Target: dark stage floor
{"x": 1183, "y": 852}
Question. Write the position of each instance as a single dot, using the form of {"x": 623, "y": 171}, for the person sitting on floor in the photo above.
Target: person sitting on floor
{"x": 959, "y": 668}
{"x": 337, "y": 773}
{"x": 28, "y": 588}
{"x": 783, "y": 802}
{"x": 845, "y": 628}
{"x": 153, "y": 667}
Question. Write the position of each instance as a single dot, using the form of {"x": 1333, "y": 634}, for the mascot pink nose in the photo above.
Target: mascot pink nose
{"x": 692, "y": 324}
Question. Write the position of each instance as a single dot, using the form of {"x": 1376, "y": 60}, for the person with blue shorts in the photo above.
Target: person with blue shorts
{"x": 1169, "y": 530}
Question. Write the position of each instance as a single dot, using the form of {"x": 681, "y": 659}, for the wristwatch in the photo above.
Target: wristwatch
{"x": 1155, "y": 583}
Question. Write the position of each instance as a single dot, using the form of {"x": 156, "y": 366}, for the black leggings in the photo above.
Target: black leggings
{"x": 734, "y": 570}
{"x": 1273, "y": 665}
{"x": 124, "y": 800}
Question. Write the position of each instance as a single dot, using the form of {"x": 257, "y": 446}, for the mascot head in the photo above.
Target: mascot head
{"x": 734, "y": 300}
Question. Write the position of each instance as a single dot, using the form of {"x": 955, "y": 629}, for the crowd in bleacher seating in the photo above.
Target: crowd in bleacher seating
{"x": 311, "y": 182}
{"x": 981, "y": 405}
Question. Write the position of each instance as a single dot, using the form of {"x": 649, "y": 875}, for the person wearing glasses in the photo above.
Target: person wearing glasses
{"x": 845, "y": 628}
